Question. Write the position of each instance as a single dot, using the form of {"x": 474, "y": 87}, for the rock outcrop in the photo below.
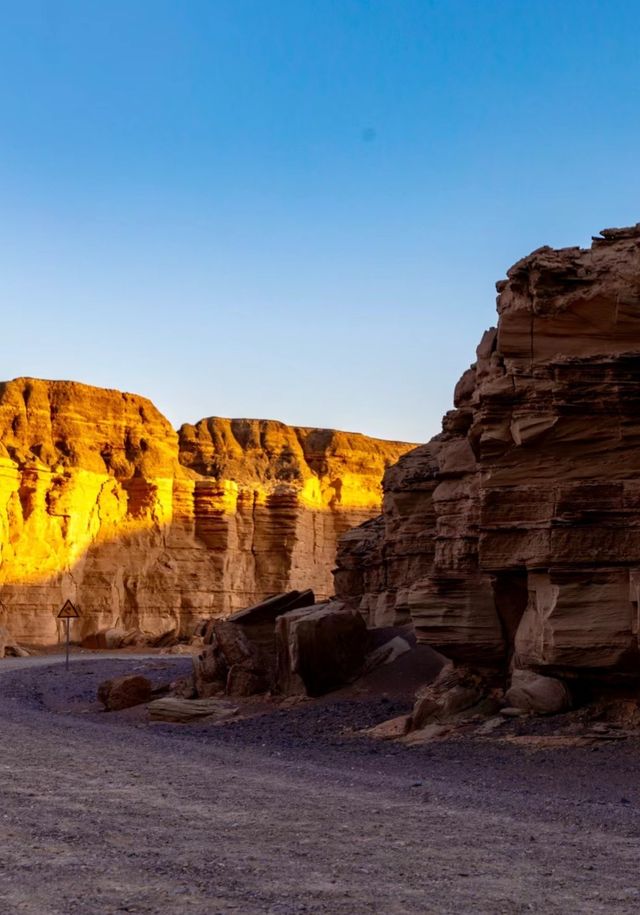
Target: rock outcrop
{"x": 148, "y": 530}
{"x": 287, "y": 645}
{"x": 514, "y": 535}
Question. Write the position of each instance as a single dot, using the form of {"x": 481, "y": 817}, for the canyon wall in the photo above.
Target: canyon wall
{"x": 272, "y": 500}
{"x": 514, "y": 535}
{"x": 102, "y": 502}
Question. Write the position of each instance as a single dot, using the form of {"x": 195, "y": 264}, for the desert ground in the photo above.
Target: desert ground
{"x": 292, "y": 811}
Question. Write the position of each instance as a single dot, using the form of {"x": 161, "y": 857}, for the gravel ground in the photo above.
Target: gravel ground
{"x": 292, "y": 812}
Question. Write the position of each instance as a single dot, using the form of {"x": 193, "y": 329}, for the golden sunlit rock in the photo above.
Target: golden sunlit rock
{"x": 102, "y": 502}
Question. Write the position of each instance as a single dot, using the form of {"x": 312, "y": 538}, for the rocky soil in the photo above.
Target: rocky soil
{"x": 292, "y": 811}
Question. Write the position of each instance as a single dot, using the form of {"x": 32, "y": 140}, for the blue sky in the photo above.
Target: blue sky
{"x": 297, "y": 209}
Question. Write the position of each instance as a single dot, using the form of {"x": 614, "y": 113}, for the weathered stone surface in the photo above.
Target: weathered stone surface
{"x": 319, "y": 648}
{"x": 247, "y": 679}
{"x": 230, "y": 663}
{"x": 456, "y": 690}
{"x": 90, "y": 497}
{"x": 183, "y": 688}
{"x": 148, "y": 530}
{"x": 271, "y": 500}
{"x": 534, "y": 693}
{"x": 258, "y": 622}
{"x": 210, "y": 671}
{"x": 124, "y": 692}
{"x": 181, "y": 711}
{"x": 515, "y": 533}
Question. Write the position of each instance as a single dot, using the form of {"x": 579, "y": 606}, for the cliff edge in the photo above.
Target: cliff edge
{"x": 513, "y": 536}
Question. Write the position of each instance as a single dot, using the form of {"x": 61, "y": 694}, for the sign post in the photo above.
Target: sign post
{"x": 68, "y": 612}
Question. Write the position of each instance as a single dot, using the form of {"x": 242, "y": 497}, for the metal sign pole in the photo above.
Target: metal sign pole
{"x": 67, "y": 661}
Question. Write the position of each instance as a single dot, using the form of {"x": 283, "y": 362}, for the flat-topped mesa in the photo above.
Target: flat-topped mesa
{"x": 96, "y": 506}
{"x": 515, "y": 533}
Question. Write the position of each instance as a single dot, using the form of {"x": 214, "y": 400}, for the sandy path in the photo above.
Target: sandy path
{"x": 103, "y": 819}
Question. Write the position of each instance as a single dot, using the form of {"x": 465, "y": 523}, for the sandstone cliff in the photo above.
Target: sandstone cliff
{"x": 514, "y": 534}
{"x": 272, "y": 500}
{"x": 101, "y": 501}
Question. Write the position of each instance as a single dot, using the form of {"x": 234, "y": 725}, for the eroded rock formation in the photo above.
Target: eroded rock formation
{"x": 272, "y": 500}
{"x": 102, "y": 502}
{"x": 514, "y": 535}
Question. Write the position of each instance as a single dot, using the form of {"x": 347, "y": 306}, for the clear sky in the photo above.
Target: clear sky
{"x": 297, "y": 209}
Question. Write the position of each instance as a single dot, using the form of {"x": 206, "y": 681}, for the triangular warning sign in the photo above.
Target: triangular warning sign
{"x": 69, "y": 612}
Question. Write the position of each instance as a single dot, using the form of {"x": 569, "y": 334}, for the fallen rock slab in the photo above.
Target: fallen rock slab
{"x": 181, "y": 711}
{"x": 319, "y": 648}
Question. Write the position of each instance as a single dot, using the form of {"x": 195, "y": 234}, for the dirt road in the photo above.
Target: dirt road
{"x": 288, "y": 814}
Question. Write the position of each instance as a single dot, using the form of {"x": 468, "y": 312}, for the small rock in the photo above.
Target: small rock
{"x": 510, "y": 712}
{"x": 487, "y": 727}
{"x": 390, "y": 729}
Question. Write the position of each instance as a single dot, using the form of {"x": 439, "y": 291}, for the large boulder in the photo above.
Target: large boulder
{"x": 532, "y": 692}
{"x": 319, "y": 648}
{"x": 229, "y": 663}
{"x": 124, "y": 692}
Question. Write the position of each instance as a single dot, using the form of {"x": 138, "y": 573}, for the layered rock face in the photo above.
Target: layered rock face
{"x": 514, "y": 534}
{"x": 93, "y": 507}
{"x": 272, "y": 500}
{"x": 96, "y": 506}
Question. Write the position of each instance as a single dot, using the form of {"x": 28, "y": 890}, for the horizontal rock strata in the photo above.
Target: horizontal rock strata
{"x": 272, "y": 500}
{"x": 102, "y": 502}
{"x": 514, "y": 534}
